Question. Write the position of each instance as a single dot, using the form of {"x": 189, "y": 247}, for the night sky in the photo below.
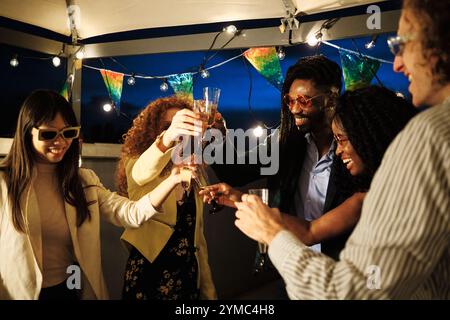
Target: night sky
{"x": 233, "y": 78}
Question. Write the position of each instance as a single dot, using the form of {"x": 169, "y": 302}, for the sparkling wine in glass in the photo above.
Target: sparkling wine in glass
{"x": 262, "y": 247}
{"x": 211, "y": 97}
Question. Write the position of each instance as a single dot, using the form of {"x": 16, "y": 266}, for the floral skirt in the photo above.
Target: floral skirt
{"x": 173, "y": 274}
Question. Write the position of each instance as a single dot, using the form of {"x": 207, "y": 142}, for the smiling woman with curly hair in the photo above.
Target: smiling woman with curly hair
{"x": 168, "y": 254}
{"x": 146, "y": 128}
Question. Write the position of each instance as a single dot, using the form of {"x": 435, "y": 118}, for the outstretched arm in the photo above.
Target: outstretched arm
{"x": 123, "y": 212}
{"x": 162, "y": 191}
{"x": 222, "y": 193}
{"x": 333, "y": 223}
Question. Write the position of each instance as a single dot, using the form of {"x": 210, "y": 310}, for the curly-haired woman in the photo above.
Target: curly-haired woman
{"x": 365, "y": 123}
{"x": 168, "y": 254}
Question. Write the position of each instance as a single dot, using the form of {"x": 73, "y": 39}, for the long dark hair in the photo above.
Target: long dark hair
{"x": 38, "y": 108}
{"x": 371, "y": 117}
{"x": 327, "y": 77}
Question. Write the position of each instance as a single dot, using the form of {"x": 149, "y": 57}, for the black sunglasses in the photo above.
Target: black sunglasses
{"x": 52, "y": 134}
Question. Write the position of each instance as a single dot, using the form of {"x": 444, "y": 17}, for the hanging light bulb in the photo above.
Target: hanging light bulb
{"x": 56, "y": 61}
{"x": 131, "y": 80}
{"x": 371, "y": 43}
{"x": 231, "y": 29}
{"x": 80, "y": 53}
{"x": 280, "y": 53}
{"x": 204, "y": 73}
{"x": 314, "y": 39}
{"x": 107, "y": 107}
{"x": 14, "y": 62}
{"x": 258, "y": 131}
{"x": 164, "y": 86}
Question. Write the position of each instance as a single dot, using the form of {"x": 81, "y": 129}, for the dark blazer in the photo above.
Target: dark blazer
{"x": 283, "y": 185}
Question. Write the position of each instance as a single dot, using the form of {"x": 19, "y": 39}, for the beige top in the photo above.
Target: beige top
{"x": 21, "y": 253}
{"x": 57, "y": 248}
{"x": 143, "y": 175}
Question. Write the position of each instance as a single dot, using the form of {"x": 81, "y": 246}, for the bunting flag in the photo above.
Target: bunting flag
{"x": 358, "y": 70}
{"x": 113, "y": 82}
{"x": 182, "y": 84}
{"x": 266, "y": 61}
{"x": 65, "y": 91}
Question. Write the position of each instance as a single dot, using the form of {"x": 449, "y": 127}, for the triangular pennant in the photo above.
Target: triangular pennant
{"x": 113, "y": 82}
{"x": 358, "y": 70}
{"x": 266, "y": 61}
{"x": 182, "y": 84}
{"x": 65, "y": 91}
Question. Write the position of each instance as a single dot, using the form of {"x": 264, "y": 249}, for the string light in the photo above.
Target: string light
{"x": 80, "y": 54}
{"x": 164, "y": 86}
{"x": 107, "y": 107}
{"x": 369, "y": 45}
{"x": 204, "y": 73}
{"x": 14, "y": 62}
{"x": 56, "y": 61}
{"x": 314, "y": 39}
{"x": 280, "y": 53}
{"x": 258, "y": 131}
{"x": 131, "y": 80}
{"x": 231, "y": 29}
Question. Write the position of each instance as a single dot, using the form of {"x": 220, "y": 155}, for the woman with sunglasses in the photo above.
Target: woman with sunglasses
{"x": 49, "y": 221}
{"x": 168, "y": 254}
{"x": 365, "y": 122}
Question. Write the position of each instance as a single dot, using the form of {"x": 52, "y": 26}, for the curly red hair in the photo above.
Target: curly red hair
{"x": 146, "y": 128}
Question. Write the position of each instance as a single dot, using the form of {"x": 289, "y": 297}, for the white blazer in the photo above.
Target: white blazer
{"x": 21, "y": 253}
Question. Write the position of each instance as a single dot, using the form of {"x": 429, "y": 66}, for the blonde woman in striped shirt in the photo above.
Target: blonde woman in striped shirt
{"x": 400, "y": 247}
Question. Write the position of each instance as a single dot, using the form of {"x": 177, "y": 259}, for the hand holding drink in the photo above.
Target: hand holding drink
{"x": 262, "y": 247}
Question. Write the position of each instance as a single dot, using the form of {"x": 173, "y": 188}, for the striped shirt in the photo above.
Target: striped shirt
{"x": 400, "y": 247}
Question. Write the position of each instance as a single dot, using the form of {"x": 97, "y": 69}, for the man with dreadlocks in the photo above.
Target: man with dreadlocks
{"x": 311, "y": 179}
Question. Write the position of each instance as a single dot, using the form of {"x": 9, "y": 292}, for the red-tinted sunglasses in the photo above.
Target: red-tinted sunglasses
{"x": 301, "y": 99}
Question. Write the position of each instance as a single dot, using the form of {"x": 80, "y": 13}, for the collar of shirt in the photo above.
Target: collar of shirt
{"x": 330, "y": 154}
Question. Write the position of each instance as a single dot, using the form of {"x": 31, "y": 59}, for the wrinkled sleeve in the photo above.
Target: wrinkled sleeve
{"x": 150, "y": 163}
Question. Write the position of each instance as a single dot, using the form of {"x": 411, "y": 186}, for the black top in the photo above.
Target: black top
{"x": 283, "y": 185}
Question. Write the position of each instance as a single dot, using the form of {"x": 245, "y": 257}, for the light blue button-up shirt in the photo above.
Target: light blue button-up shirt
{"x": 313, "y": 182}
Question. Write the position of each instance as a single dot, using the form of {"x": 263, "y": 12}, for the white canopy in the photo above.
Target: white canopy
{"x": 100, "y": 17}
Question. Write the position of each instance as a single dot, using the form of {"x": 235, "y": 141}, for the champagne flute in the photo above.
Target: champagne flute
{"x": 262, "y": 247}
{"x": 211, "y": 99}
{"x": 215, "y": 206}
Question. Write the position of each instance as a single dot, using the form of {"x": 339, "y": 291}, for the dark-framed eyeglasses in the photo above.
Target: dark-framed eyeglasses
{"x": 304, "y": 101}
{"x": 397, "y": 43}
{"x": 52, "y": 134}
{"x": 340, "y": 139}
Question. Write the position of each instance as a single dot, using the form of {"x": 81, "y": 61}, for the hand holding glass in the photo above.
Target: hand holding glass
{"x": 264, "y": 195}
